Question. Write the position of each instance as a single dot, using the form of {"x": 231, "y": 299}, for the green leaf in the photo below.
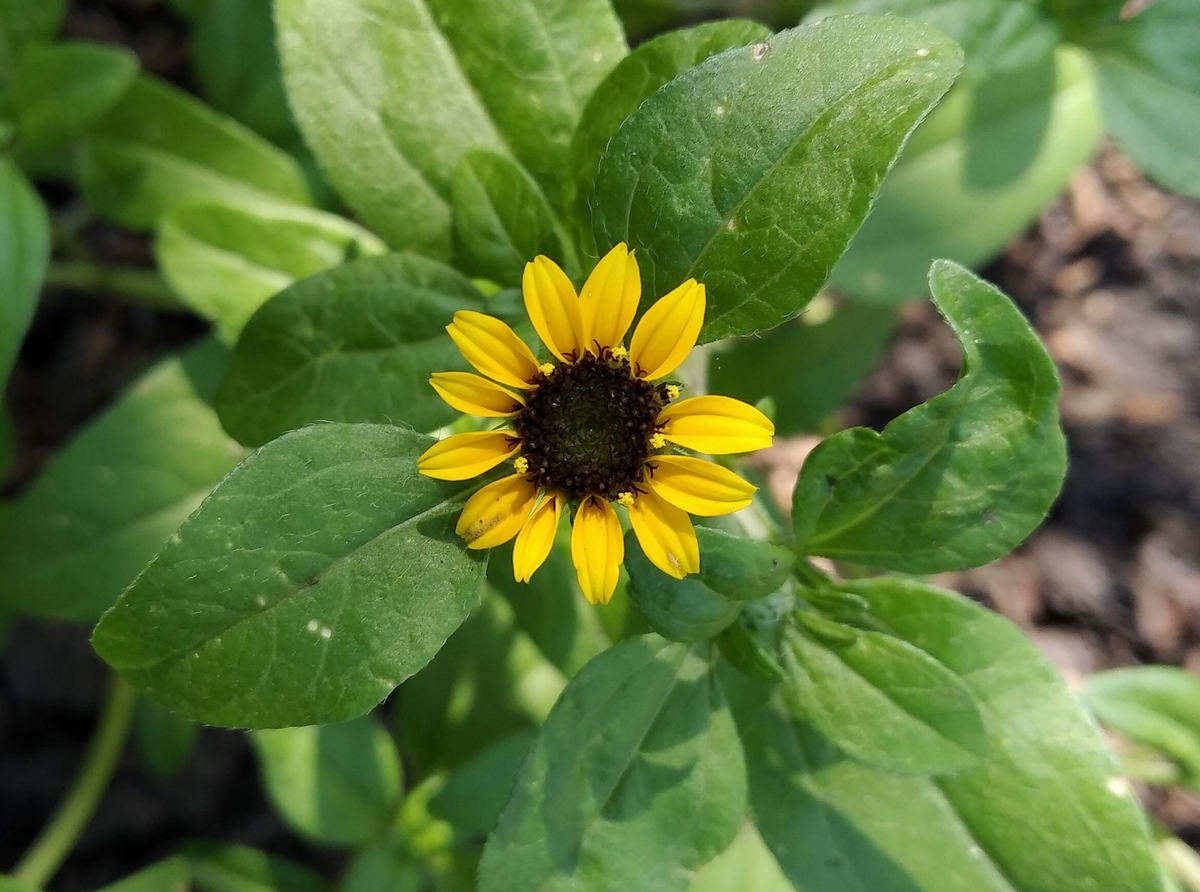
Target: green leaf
{"x": 1155, "y": 705}
{"x": 171, "y": 875}
{"x": 1044, "y": 811}
{"x": 741, "y": 568}
{"x": 390, "y": 95}
{"x": 635, "y": 779}
{"x": 1149, "y": 73}
{"x": 238, "y": 66}
{"x": 751, "y": 171}
{"x": 550, "y": 608}
{"x": 387, "y": 865}
{"x": 1080, "y": 17}
{"x": 486, "y": 683}
{"x": 356, "y": 343}
{"x": 807, "y": 370}
{"x": 8, "y": 442}
{"x": 501, "y": 219}
{"x": 24, "y": 253}
{"x": 319, "y": 574}
{"x": 746, "y": 866}
{"x": 334, "y": 784}
{"x": 995, "y": 153}
{"x": 109, "y": 501}
{"x": 680, "y": 609}
{"x": 634, "y": 80}
{"x": 164, "y": 739}
{"x": 936, "y": 490}
{"x": 232, "y": 868}
{"x": 191, "y": 10}
{"x": 25, "y": 22}
{"x": 476, "y": 792}
{"x": 56, "y": 92}
{"x": 158, "y": 147}
{"x": 880, "y": 700}
{"x": 225, "y": 260}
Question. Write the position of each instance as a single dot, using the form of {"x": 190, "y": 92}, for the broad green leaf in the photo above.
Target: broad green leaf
{"x": 56, "y": 92}
{"x": 25, "y": 22}
{"x": 24, "y": 253}
{"x": 318, "y": 575}
{"x": 476, "y": 792}
{"x": 171, "y": 875}
{"x": 550, "y": 608}
{"x": 740, "y": 568}
{"x": 680, "y": 609}
{"x": 936, "y": 490}
{"x": 224, "y": 260}
{"x": 164, "y": 740}
{"x": 995, "y": 153}
{"x": 746, "y": 866}
{"x": 109, "y": 501}
{"x": 486, "y": 683}
{"x": 390, "y": 94}
{"x": 356, "y": 343}
{"x": 233, "y": 868}
{"x": 158, "y": 147}
{"x": 1044, "y": 811}
{"x": 1155, "y": 705}
{"x": 751, "y": 171}
{"x": 635, "y": 779}
{"x": 880, "y": 700}
{"x": 1149, "y": 73}
{"x": 807, "y": 370}
{"x": 387, "y": 865}
{"x": 634, "y": 80}
{"x": 9, "y": 884}
{"x": 191, "y": 10}
{"x": 501, "y": 219}
{"x": 334, "y": 784}
{"x": 1081, "y": 17}
{"x": 238, "y": 67}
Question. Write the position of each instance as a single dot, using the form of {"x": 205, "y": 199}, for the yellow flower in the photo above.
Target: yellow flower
{"x": 592, "y": 428}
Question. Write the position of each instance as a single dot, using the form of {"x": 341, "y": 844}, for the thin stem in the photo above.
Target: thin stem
{"x": 51, "y": 848}
{"x": 142, "y": 285}
{"x": 810, "y": 576}
{"x": 1182, "y": 861}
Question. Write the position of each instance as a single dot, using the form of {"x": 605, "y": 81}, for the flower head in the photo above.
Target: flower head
{"x": 595, "y": 427}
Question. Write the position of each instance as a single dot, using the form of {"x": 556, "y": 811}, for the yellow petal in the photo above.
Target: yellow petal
{"x": 597, "y": 549}
{"x": 463, "y": 456}
{"x": 666, "y": 534}
{"x": 718, "y": 425}
{"x": 610, "y": 298}
{"x": 536, "y": 538}
{"x": 667, "y": 332}
{"x": 474, "y": 395}
{"x": 553, "y": 307}
{"x": 497, "y": 512}
{"x": 493, "y": 348}
{"x": 698, "y": 486}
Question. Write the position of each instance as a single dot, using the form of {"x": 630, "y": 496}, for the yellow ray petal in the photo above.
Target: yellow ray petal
{"x": 493, "y": 348}
{"x": 718, "y": 425}
{"x": 698, "y": 486}
{"x": 666, "y": 534}
{"x": 553, "y": 307}
{"x": 597, "y": 549}
{"x": 497, "y": 512}
{"x": 474, "y": 395}
{"x": 463, "y": 456}
{"x": 536, "y": 538}
{"x": 610, "y": 298}
{"x": 667, "y": 332}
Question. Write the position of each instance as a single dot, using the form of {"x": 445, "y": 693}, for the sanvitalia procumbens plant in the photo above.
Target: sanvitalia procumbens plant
{"x": 879, "y": 733}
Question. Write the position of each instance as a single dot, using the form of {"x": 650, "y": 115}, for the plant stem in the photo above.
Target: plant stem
{"x": 57, "y": 838}
{"x": 1182, "y": 861}
{"x": 142, "y": 285}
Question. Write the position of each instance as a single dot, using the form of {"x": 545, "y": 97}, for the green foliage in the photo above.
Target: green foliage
{"x": 934, "y": 492}
{"x": 231, "y": 868}
{"x": 164, "y": 739}
{"x": 24, "y": 23}
{"x": 361, "y": 583}
{"x": 224, "y": 260}
{"x": 680, "y": 609}
{"x": 747, "y": 866}
{"x": 357, "y": 343}
{"x": 476, "y": 792}
{"x": 335, "y": 784}
{"x": 109, "y": 501}
{"x": 708, "y": 179}
{"x": 636, "y": 777}
{"x": 24, "y": 253}
{"x": 157, "y": 148}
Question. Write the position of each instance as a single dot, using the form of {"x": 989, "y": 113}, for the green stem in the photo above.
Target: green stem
{"x": 51, "y": 848}
{"x": 809, "y": 575}
{"x": 1182, "y": 861}
{"x": 142, "y": 285}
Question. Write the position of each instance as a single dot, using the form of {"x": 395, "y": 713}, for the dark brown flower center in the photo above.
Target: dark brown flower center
{"x": 587, "y": 427}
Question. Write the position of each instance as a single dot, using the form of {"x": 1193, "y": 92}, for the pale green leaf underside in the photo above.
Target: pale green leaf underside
{"x": 24, "y": 253}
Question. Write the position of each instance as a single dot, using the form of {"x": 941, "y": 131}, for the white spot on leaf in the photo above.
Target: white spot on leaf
{"x": 758, "y": 51}
{"x": 313, "y": 625}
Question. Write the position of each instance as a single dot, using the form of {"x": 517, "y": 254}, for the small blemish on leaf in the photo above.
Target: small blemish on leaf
{"x": 923, "y": 52}
{"x": 830, "y": 481}
{"x": 313, "y": 625}
{"x": 758, "y": 51}
{"x": 988, "y": 516}
{"x": 312, "y": 580}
